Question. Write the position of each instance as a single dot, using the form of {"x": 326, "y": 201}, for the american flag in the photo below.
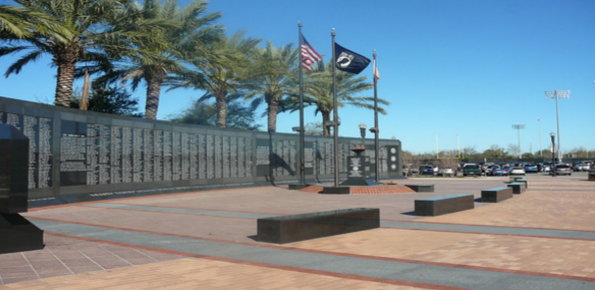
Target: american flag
{"x": 309, "y": 56}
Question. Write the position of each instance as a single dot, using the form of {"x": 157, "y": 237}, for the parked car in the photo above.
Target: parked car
{"x": 530, "y": 167}
{"x": 498, "y": 171}
{"x": 517, "y": 170}
{"x": 426, "y": 169}
{"x": 447, "y": 172}
{"x": 547, "y": 167}
{"x": 582, "y": 166}
{"x": 563, "y": 169}
{"x": 471, "y": 169}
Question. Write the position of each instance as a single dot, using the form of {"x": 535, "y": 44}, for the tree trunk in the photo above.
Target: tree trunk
{"x": 153, "y": 92}
{"x": 221, "y": 110}
{"x": 65, "y": 60}
{"x": 273, "y": 109}
{"x": 326, "y": 119}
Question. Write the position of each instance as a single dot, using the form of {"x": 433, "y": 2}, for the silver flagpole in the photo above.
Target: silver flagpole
{"x": 376, "y": 141}
{"x": 302, "y": 137}
{"x": 335, "y": 118}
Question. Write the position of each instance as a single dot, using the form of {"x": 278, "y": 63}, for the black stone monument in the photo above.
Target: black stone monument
{"x": 358, "y": 167}
{"x": 16, "y": 233}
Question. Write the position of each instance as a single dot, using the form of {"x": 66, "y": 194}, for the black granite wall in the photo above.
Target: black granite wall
{"x": 79, "y": 156}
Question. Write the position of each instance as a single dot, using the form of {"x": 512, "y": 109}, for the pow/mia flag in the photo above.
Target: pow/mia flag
{"x": 349, "y": 61}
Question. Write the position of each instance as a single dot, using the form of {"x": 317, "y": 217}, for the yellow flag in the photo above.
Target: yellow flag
{"x": 376, "y": 74}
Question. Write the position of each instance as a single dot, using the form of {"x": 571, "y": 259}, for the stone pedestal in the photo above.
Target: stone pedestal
{"x": 16, "y": 233}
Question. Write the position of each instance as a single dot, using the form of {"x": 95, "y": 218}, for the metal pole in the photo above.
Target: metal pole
{"x": 553, "y": 168}
{"x": 335, "y": 117}
{"x": 565, "y": 94}
{"x": 302, "y": 137}
{"x": 459, "y": 146}
{"x": 376, "y": 141}
{"x": 519, "y": 131}
{"x": 558, "y": 124}
{"x": 519, "y": 127}
{"x": 540, "y": 148}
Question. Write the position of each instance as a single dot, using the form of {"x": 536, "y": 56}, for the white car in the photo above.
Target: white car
{"x": 447, "y": 172}
{"x": 516, "y": 171}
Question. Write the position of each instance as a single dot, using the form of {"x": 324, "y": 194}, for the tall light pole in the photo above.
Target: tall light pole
{"x": 459, "y": 145}
{"x": 553, "y": 168}
{"x": 540, "y": 152}
{"x": 519, "y": 127}
{"x": 563, "y": 94}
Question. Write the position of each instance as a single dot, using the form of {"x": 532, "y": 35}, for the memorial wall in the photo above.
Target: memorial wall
{"x": 80, "y": 156}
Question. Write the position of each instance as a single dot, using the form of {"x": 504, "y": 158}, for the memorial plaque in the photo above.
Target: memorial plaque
{"x": 193, "y": 151}
{"x": 39, "y": 132}
{"x": 148, "y": 156}
{"x": 249, "y": 157}
{"x": 176, "y": 165}
{"x": 126, "y": 155}
{"x": 233, "y": 157}
{"x": 263, "y": 158}
{"x": 116, "y": 155}
{"x": 218, "y": 156}
{"x": 185, "y": 156}
{"x": 158, "y": 155}
{"x": 73, "y": 153}
{"x": 103, "y": 139}
{"x": 210, "y": 157}
{"x": 202, "y": 156}
{"x": 137, "y": 155}
{"x": 92, "y": 156}
{"x": 225, "y": 157}
{"x": 167, "y": 156}
{"x": 242, "y": 170}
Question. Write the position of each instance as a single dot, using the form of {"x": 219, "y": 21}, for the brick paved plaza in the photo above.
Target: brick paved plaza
{"x": 543, "y": 238}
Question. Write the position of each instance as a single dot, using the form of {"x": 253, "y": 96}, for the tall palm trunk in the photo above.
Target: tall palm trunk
{"x": 326, "y": 119}
{"x": 65, "y": 60}
{"x": 153, "y": 92}
{"x": 221, "y": 110}
{"x": 273, "y": 109}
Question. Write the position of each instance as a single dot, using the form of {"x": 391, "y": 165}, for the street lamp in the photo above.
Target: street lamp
{"x": 553, "y": 153}
{"x": 362, "y": 130}
{"x": 564, "y": 94}
{"x": 519, "y": 127}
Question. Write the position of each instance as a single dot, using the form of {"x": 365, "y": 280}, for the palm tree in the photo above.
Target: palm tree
{"x": 71, "y": 31}
{"x": 219, "y": 70}
{"x": 14, "y": 22}
{"x": 153, "y": 64}
{"x": 272, "y": 77}
{"x": 318, "y": 91}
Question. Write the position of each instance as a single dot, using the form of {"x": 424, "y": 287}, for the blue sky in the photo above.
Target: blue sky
{"x": 462, "y": 68}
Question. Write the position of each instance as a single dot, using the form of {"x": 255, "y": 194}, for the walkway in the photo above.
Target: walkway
{"x": 541, "y": 239}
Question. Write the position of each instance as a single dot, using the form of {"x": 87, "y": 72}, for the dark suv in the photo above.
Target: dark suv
{"x": 471, "y": 169}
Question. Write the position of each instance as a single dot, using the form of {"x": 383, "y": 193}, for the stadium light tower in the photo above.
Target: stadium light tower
{"x": 563, "y": 94}
{"x": 540, "y": 152}
{"x": 519, "y": 127}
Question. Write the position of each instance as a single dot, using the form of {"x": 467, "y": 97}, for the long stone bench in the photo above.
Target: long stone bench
{"x": 421, "y": 187}
{"x": 523, "y": 181}
{"x": 517, "y": 187}
{"x": 497, "y": 194}
{"x": 443, "y": 204}
{"x": 293, "y": 228}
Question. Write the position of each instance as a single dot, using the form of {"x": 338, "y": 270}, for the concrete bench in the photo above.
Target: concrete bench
{"x": 443, "y": 204}
{"x": 523, "y": 181}
{"x": 421, "y": 187}
{"x": 517, "y": 187}
{"x": 497, "y": 194}
{"x": 516, "y": 178}
{"x": 293, "y": 228}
